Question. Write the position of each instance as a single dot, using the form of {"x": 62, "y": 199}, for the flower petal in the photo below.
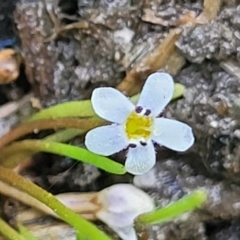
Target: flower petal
{"x": 111, "y": 104}
{"x": 121, "y": 204}
{"x": 173, "y": 134}
{"x": 140, "y": 159}
{"x": 106, "y": 140}
{"x": 157, "y": 92}
{"x": 126, "y": 233}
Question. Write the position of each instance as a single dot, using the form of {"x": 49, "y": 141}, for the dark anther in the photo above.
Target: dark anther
{"x": 143, "y": 143}
{"x": 132, "y": 145}
{"x": 138, "y": 109}
{"x": 148, "y": 111}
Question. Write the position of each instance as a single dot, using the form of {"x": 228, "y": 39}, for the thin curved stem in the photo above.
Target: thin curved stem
{"x": 77, "y": 153}
{"x": 44, "y": 124}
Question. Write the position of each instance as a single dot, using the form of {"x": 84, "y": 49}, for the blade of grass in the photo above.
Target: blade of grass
{"x": 24, "y": 231}
{"x": 17, "y": 161}
{"x": 9, "y": 232}
{"x": 84, "y": 229}
{"x": 84, "y": 108}
{"x": 60, "y": 136}
{"x": 68, "y": 109}
{"x": 12, "y": 192}
{"x": 73, "y": 152}
{"x": 77, "y": 202}
{"x": 173, "y": 210}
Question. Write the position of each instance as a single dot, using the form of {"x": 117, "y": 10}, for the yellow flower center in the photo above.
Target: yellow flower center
{"x": 138, "y": 126}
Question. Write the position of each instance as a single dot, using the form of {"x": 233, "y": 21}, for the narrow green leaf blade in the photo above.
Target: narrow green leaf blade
{"x": 10, "y": 233}
{"x": 173, "y": 210}
{"x": 84, "y": 229}
{"x": 25, "y": 232}
{"x": 77, "y": 153}
{"x": 84, "y": 155}
{"x": 84, "y": 108}
{"x": 68, "y": 109}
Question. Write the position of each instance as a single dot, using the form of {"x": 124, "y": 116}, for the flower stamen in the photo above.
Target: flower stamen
{"x": 139, "y": 109}
{"x": 143, "y": 143}
{"x": 132, "y": 145}
{"x": 148, "y": 112}
{"x": 138, "y": 126}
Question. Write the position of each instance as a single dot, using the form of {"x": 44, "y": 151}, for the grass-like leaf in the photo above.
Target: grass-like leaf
{"x": 84, "y": 108}
{"x": 60, "y": 136}
{"x": 25, "y": 232}
{"x": 8, "y": 232}
{"x": 68, "y": 109}
{"x": 84, "y": 229}
{"x": 186, "y": 204}
{"x": 73, "y": 152}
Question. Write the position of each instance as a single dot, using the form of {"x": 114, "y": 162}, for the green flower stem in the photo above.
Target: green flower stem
{"x": 73, "y": 152}
{"x": 9, "y": 232}
{"x": 171, "y": 211}
{"x": 43, "y": 124}
{"x": 84, "y": 229}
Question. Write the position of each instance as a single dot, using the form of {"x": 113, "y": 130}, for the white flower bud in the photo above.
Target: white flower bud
{"x": 121, "y": 204}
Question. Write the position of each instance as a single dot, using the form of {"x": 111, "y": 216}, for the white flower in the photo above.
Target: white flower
{"x": 137, "y": 127}
{"x": 121, "y": 205}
